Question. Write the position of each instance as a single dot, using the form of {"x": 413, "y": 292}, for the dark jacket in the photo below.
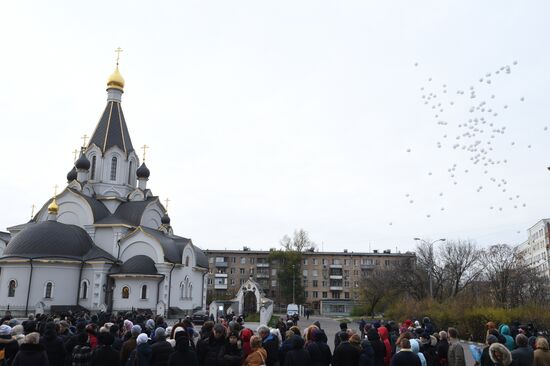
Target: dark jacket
{"x": 442, "y": 349}
{"x": 271, "y": 346}
{"x": 366, "y": 358}
{"x": 485, "y": 358}
{"x": 210, "y": 350}
{"x": 183, "y": 354}
{"x": 161, "y": 352}
{"x": 82, "y": 355}
{"x": 70, "y": 343}
{"x": 55, "y": 348}
{"x": 31, "y": 355}
{"x": 10, "y": 347}
{"x": 405, "y": 358}
{"x": 285, "y": 348}
{"x": 105, "y": 356}
{"x": 378, "y": 347}
{"x": 523, "y": 356}
{"x": 338, "y": 338}
{"x": 346, "y": 354}
{"x": 319, "y": 351}
{"x": 143, "y": 354}
{"x": 127, "y": 348}
{"x": 298, "y": 356}
{"x": 231, "y": 355}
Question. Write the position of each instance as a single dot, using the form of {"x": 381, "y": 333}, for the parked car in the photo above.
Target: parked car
{"x": 199, "y": 317}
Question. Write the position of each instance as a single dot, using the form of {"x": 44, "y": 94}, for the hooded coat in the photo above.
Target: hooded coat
{"x": 183, "y": 354}
{"x": 246, "y": 334}
{"x": 346, "y": 354}
{"x": 377, "y": 345}
{"x": 505, "y": 331}
{"x": 506, "y": 355}
{"x": 366, "y": 358}
{"x": 385, "y": 337}
{"x": 415, "y": 348}
{"x": 319, "y": 351}
{"x": 298, "y": 356}
{"x": 31, "y": 354}
{"x": 55, "y": 349}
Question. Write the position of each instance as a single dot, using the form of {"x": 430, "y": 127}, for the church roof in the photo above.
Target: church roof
{"x": 172, "y": 246}
{"x": 111, "y": 130}
{"x": 99, "y": 210}
{"x": 128, "y": 213}
{"x": 52, "y": 239}
{"x": 5, "y": 236}
{"x": 139, "y": 264}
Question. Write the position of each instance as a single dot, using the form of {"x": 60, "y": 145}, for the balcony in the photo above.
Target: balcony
{"x": 262, "y": 275}
{"x": 368, "y": 266}
{"x": 335, "y": 266}
{"x": 336, "y": 277}
{"x": 220, "y": 264}
{"x": 221, "y": 286}
{"x": 336, "y": 288}
{"x": 262, "y": 265}
{"x": 220, "y": 275}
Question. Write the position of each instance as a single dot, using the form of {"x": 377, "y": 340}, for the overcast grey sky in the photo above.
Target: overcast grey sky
{"x": 264, "y": 117}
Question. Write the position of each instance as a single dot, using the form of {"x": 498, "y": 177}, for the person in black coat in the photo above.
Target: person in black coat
{"x": 377, "y": 345}
{"x": 522, "y": 355}
{"x": 183, "y": 354}
{"x": 161, "y": 348}
{"x": 338, "y": 336}
{"x": 209, "y": 353}
{"x": 319, "y": 351}
{"x": 442, "y": 349}
{"x": 231, "y": 354}
{"x": 366, "y": 358}
{"x": 104, "y": 354}
{"x": 298, "y": 356}
{"x": 405, "y": 357}
{"x": 345, "y": 354}
{"x": 323, "y": 336}
{"x": 31, "y": 353}
{"x": 7, "y": 344}
{"x": 117, "y": 340}
{"x": 53, "y": 345}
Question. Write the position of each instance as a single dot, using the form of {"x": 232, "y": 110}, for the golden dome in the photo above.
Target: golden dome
{"x": 53, "y": 208}
{"x": 115, "y": 80}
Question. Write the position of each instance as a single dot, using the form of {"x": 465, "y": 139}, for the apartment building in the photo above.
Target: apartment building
{"x": 331, "y": 280}
{"x": 535, "y": 250}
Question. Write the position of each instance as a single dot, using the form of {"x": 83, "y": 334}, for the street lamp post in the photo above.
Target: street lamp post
{"x": 431, "y": 262}
{"x": 293, "y": 283}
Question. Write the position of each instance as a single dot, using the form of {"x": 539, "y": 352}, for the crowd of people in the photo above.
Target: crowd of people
{"x": 141, "y": 340}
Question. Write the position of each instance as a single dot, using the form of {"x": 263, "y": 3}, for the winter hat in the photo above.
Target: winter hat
{"x": 5, "y": 330}
{"x": 343, "y": 326}
{"x": 136, "y": 329}
{"x": 160, "y": 332}
{"x": 142, "y": 338}
{"x": 150, "y": 324}
{"x": 491, "y": 339}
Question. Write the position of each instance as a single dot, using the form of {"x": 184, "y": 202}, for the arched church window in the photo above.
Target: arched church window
{"x": 84, "y": 290}
{"x": 48, "y": 291}
{"x": 92, "y": 175}
{"x": 113, "y": 168}
{"x": 11, "y": 288}
{"x": 130, "y": 173}
{"x": 187, "y": 261}
{"x": 125, "y": 292}
{"x": 144, "y": 292}
{"x": 190, "y": 295}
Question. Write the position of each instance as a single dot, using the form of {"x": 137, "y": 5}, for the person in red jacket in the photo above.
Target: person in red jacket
{"x": 385, "y": 337}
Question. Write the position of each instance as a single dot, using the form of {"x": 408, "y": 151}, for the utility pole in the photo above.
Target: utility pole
{"x": 432, "y": 262}
{"x": 293, "y": 283}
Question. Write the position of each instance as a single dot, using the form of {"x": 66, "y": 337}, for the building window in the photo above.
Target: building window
{"x": 92, "y": 176}
{"x": 305, "y": 262}
{"x": 243, "y": 260}
{"x": 274, "y": 272}
{"x": 304, "y": 282}
{"x": 251, "y": 271}
{"x": 325, "y": 261}
{"x": 144, "y": 292}
{"x": 251, "y": 260}
{"x": 84, "y": 290}
{"x": 346, "y": 295}
{"x": 48, "y": 291}
{"x": 305, "y": 295}
{"x": 314, "y": 261}
{"x": 232, "y": 270}
{"x": 315, "y": 294}
{"x": 314, "y": 273}
{"x": 113, "y": 168}
{"x": 130, "y": 173}
{"x": 11, "y": 288}
{"x": 335, "y": 294}
{"x": 125, "y": 292}
{"x": 325, "y": 295}
{"x": 273, "y": 283}
{"x": 232, "y": 282}
{"x": 315, "y": 283}
{"x": 241, "y": 271}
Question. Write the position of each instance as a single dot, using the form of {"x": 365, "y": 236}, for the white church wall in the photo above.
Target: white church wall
{"x": 141, "y": 244}
{"x": 186, "y": 288}
{"x": 105, "y": 239}
{"x": 134, "y": 299}
{"x": 64, "y": 279}
{"x": 152, "y": 216}
{"x": 20, "y": 273}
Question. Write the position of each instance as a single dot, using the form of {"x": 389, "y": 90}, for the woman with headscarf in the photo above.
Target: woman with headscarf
{"x": 319, "y": 351}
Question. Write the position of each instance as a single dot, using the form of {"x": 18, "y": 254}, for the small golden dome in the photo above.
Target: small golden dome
{"x": 53, "y": 208}
{"x": 115, "y": 80}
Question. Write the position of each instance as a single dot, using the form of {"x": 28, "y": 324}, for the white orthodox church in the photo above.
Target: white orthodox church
{"x": 105, "y": 242}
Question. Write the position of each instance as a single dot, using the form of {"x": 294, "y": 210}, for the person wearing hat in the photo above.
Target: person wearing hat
{"x": 232, "y": 351}
{"x": 183, "y": 354}
{"x": 130, "y": 344}
{"x": 143, "y": 350}
{"x": 104, "y": 354}
{"x": 53, "y": 345}
{"x": 8, "y": 345}
{"x": 161, "y": 348}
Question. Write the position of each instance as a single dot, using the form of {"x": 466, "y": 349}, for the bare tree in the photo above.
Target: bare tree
{"x": 460, "y": 261}
{"x": 300, "y": 242}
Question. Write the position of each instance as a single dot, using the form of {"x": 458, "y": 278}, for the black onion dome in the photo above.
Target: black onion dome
{"x": 139, "y": 264}
{"x": 71, "y": 175}
{"x": 143, "y": 171}
{"x": 82, "y": 163}
{"x": 165, "y": 219}
{"x": 50, "y": 239}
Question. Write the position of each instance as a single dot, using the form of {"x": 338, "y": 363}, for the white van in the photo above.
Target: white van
{"x": 292, "y": 309}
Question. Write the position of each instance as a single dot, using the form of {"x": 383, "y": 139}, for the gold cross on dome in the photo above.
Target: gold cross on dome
{"x": 55, "y": 190}
{"x": 75, "y": 152}
{"x": 84, "y": 138}
{"x": 144, "y": 148}
{"x": 118, "y": 51}
{"x": 166, "y": 203}
{"x": 32, "y": 210}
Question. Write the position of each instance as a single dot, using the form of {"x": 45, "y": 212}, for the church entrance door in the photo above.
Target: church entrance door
{"x": 250, "y": 302}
